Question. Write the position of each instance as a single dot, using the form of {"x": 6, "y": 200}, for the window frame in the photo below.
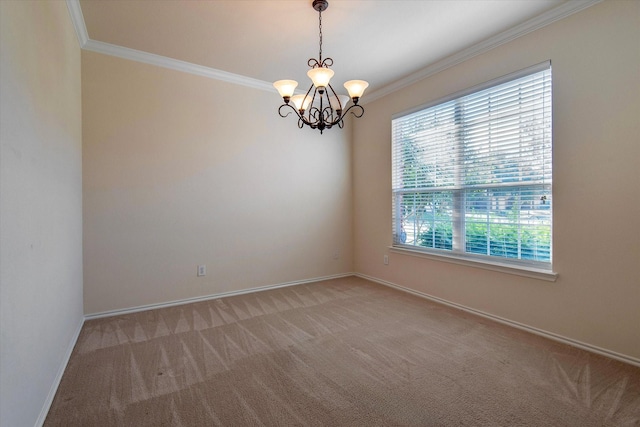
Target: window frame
{"x": 458, "y": 253}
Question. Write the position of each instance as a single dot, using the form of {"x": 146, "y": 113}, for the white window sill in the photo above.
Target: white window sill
{"x": 518, "y": 270}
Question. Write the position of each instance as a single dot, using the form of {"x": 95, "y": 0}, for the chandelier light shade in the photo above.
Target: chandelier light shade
{"x": 321, "y": 107}
{"x": 320, "y": 76}
{"x": 356, "y": 87}
{"x": 301, "y": 102}
{"x": 286, "y": 88}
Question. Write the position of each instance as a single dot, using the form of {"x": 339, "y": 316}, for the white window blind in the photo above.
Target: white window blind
{"x": 472, "y": 175}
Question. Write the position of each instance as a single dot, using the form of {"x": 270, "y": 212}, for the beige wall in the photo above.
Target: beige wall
{"x": 595, "y": 57}
{"x": 181, "y": 170}
{"x": 40, "y": 204}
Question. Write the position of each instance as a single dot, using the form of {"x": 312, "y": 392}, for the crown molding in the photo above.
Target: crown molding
{"x": 150, "y": 58}
{"x": 540, "y": 21}
{"x": 175, "y": 64}
{"x": 77, "y": 19}
{"x": 560, "y": 12}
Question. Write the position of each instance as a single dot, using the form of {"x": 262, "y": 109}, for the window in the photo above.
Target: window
{"x": 472, "y": 173}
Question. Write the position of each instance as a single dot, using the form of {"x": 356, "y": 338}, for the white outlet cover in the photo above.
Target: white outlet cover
{"x": 202, "y": 270}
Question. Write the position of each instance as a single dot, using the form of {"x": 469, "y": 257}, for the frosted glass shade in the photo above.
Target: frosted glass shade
{"x": 339, "y": 106}
{"x": 301, "y": 102}
{"x": 356, "y": 87}
{"x": 320, "y": 76}
{"x": 285, "y": 87}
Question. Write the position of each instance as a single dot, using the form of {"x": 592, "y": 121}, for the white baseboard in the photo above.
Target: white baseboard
{"x": 209, "y": 297}
{"x": 56, "y": 381}
{"x": 584, "y": 346}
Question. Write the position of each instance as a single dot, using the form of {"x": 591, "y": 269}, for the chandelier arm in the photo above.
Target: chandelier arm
{"x": 336, "y": 96}
{"x": 315, "y": 90}
{"x": 314, "y": 113}
{"x": 310, "y": 109}
{"x": 337, "y": 121}
{"x": 326, "y": 62}
{"x": 331, "y": 116}
{"x": 289, "y": 113}
{"x": 301, "y": 116}
{"x": 327, "y": 116}
{"x": 313, "y": 63}
{"x": 332, "y": 89}
{"x": 322, "y": 63}
{"x": 311, "y": 118}
{"x": 358, "y": 114}
{"x": 334, "y": 116}
{"x": 316, "y": 119}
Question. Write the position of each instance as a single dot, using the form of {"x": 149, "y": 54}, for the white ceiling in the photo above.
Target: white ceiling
{"x": 381, "y": 41}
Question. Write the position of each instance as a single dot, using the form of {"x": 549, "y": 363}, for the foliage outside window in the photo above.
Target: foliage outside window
{"x": 472, "y": 175}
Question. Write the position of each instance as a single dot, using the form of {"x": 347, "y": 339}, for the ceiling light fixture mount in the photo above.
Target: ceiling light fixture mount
{"x": 321, "y": 108}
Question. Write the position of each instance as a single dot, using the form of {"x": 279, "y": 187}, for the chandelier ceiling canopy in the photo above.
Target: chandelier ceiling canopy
{"x": 321, "y": 107}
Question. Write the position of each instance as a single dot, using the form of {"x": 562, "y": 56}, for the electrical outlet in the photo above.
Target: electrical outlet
{"x": 336, "y": 255}
{"x": 202, "y": 270}
{"x": 385, "y": 260}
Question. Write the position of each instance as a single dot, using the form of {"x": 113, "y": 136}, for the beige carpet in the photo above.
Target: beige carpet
{"x": 345, "y": 352}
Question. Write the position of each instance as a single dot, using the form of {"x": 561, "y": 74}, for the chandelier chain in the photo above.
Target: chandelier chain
{"x": 320, "y": 30}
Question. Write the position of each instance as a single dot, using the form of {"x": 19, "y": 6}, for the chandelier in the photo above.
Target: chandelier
{"x": 321, "y": 108}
